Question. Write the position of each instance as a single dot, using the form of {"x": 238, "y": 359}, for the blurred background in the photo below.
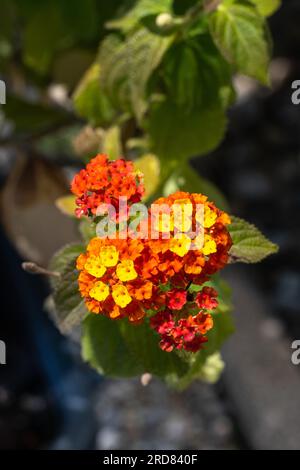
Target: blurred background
{"x": 46, "y": 392}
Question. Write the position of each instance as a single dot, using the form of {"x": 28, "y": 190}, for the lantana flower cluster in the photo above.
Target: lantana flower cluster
{"x": 153, "y": 276}
{"x": 103, "y": 182}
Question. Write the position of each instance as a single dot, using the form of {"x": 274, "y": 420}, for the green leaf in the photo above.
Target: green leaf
{"x": 176, "y": 135}
{"x": 144, "y": 343}
{"x": 112, "y": 145}
{"x": 89, "y": 100}
{"x": 186, "y": 179}
{"x": 149, "y": 165}
{"x": 103, "y": 346}
{"x": 249, "y": 244}
{"x": 67, "y": 205}
{"x": 87, "y": 229}
{"x": 182, "y": 77}
{"x": 43, "y": 32}
{"x": 239, "y": 32}
{"x": 145, "y": 51}
{"x": 267, "y": 7}
{"x": 118, "y": 348}
{"x": 196, "y": 74}
{"x": 141, "y": 9}
{"x": 69, "y": 307}
{"x": 126, "y": 67}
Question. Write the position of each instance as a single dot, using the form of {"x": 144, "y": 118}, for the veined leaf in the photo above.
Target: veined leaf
{"x": 126, "y": 67}
{"x": 196, "y": 74}
{"x": 239, "y": 33}
{"x": 145, "y": 51}
{"x": 249, "y": 244}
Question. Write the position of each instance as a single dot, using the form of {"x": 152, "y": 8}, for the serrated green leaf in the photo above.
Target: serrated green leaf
{"x": 141, "y": 9}
{"x": 239, "y": 33}
{"x": 267, "y": 7}
{"x": 176, "y": 135}
{"x": 249, "y": 244}
{"x": 69, "y": 308}
{"x": 145, "y": 51}
{"x": 118, "y": 348}
{"x": 113, "y": 61}
{"x": 126, "y": 67}
{"x": 89, "y": 100}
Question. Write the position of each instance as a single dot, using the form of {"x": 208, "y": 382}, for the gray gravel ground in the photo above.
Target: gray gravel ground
{"x": 154, "y": 417}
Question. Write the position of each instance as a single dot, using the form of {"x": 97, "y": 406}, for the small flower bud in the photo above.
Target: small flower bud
{"x": 164, "y": 20}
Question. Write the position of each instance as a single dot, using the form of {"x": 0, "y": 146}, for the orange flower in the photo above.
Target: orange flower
{"x": 103, "y": 181}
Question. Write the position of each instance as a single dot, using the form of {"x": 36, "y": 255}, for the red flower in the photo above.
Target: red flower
{"x": 176, "y": 299}
{"x": 206, "y": 298}
{"x": 186, "y": 333}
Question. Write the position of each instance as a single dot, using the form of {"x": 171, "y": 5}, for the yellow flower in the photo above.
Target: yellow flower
{"x": 182, "y": 213}
{"x": 121, "y": 295}
{"x": 94, "y": 266}
{"x": 125, "y": 270}
{"x": 210, "y": 245}
{"x": 163, "y": 222}
{"x": 210, "y": 217}
{"x": 181, "y": 245}
{"x": 99, "y": 291}
{"x": 198, "y": 241}
{"x": 109, "y": 255}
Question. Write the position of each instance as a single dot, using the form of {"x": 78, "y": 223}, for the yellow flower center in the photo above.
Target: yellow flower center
{"x": 125, "y": 270}
{"x": 99, "y": 291}
{"x": 121, "y": 295}
{"x": 94, "y": 266}
{"x": 109, "y": 256}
